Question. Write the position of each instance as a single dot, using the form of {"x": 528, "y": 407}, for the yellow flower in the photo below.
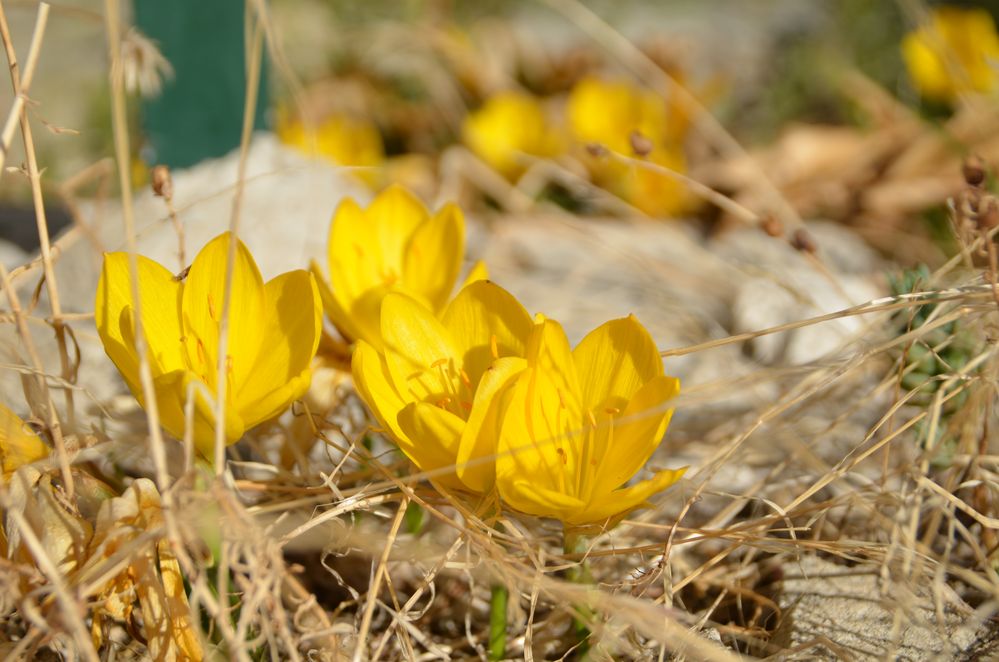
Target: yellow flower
{"x": 578, "y": 424}
{"x": 957, "y": 52}
{"x": 395, "y": 245}
{"x": 508, "y": 125}
{"x": 608, "y": 113}
{"x": 344, "y": 140}
{"x": 274, "y": 330}
{"x": 19, "y": 445}
{"x": 433, "y": 386}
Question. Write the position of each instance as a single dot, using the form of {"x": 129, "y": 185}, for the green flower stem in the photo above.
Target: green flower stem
{"x": 577, "y": 543}
{"x": 498, "y": 599}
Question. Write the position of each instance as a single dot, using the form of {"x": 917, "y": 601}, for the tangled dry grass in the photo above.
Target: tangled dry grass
{"x": 842, "y": 507}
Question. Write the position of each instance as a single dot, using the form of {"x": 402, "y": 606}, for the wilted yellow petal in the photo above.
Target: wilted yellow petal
{"x": 479, "y": 440}
{"x": 153, "y": 573}
{"x": 433, "y": 256}
{"x": 289, "y": 340}
{"x": 19, "y": 445}
{"x": 482, "y": 318}
{"x": 621, "y": 502}
{"x": 614, "y": 360}
{"x": 203, "y": 298}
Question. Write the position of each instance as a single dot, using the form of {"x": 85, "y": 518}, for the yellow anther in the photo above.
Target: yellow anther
{"x": 444, "y": 402}
{"x": 562, "y": 455}
{"x": 465, "y": 379}
{"x": 211, "y": 308}
{"x": 201, "y": 352}
{"x": 467, "y": 406}
{"x": 438, "y": 363}
{"x": 228, "y": 363}
{"x": 494, "y": 346}
{"x": 561, "y": 400}
{"x": 612, "y": 410}
{"x": 591, "y": 417}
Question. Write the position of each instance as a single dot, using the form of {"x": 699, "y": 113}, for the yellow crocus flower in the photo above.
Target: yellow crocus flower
{"x": 607, "y": 113}
{"x": 19, "y": 445}
{"x": 507, "y": 126}
{"x": 274, "y": 331}
{"x": 433, "y": 385}
{"x": 955, "y": 53}
{"x": 344, "y": 140}
{"x": 395, "y": 245}
{"x": 578, "y": 424}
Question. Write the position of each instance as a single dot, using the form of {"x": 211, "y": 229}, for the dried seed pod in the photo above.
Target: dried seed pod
{"x": 989, "y": 216}
{"x": 162, "y": 182}
{"x": 640, "y": 144}
{"x": 772, "y": 225}
{"x": 802, "y": 241}
{"x": 596, "y": 149}
{"x": 973, "y": 170}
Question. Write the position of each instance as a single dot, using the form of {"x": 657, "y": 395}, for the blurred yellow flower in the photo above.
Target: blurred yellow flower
{"x": 274, "y": 330}
{"x": 508, "y": 126}
{"x": 395, "y": 245}
{"x": 342, "y": 139}
{"x": 578, "y": 424}
{"x": 434, "y": 384}
{"x": 608, "y": 113}
{"x": 955, "y": 53}
{"x": 19, "y": 445}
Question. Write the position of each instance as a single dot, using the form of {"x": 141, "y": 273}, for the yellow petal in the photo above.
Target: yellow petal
{"x": 19, "y": 445}
{"x": 419, "y": 353}
{"x": 527, "y": 496}
{"x": 374, "y": 385}
{"x": 614, "y": 361}
{"x": 113, "y": 311}
{"x": 276, "y": 401}
{"x": 433, "y": 256}
{"x": 615, "y": 504}
{"x": 172, "y": 392}
{"x": 476, "y": 458}
{"x": 336, "y": 314}
{"x": 366, "y": 247}
{"x": 479, "y": 271}
{"x": 203, "y": 299}
{"x": 292, "y": 327}
{"x": 482, "y": 318}
{"x": 436, "y": 433}
{"x": 541, "y": 439}
{"x": 633, "y": 435}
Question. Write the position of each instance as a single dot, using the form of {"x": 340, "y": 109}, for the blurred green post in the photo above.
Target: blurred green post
{"x": 199, "y": 114}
